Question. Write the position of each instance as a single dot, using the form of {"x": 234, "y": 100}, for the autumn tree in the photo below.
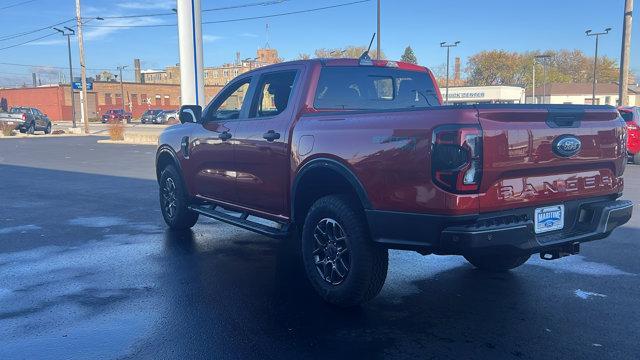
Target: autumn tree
{"x": 500, "y": 67}
{"x": 409, "y": 56}
{"x": 351, "y": 51}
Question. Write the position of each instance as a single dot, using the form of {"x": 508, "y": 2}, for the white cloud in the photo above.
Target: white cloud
{"x": 148, "y": 4}
{"x": 94, "y": 33}
{"x": 49, "y": 42}
{"x": 210, "y": 38}
{"x": 247, "y": 34}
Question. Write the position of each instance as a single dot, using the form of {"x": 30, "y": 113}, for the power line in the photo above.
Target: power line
{"x": 17, "y": 4}
{"x": 262, "y": 3}
{"x": 13, "y": 36}
{"x": 237, "y": 19}
{"x": 60, "y": 67}
{"x": 28, "y": 41}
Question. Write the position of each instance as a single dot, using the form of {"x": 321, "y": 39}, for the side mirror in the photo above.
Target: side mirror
{"x": 190, "y": 113}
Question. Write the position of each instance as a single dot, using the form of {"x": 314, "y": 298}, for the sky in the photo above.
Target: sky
{"x": 422, "y": 24}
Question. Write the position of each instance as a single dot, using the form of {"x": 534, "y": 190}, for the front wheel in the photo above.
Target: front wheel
{"x": 47, "y": 130}
{"x": 174, "y": 201}
{"x": 497, "y": 262}
{"x": 342, "y": 263}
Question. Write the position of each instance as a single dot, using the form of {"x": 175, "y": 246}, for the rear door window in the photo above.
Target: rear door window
{"x": 273, "y": 94}
{"x": 373, "y": 88}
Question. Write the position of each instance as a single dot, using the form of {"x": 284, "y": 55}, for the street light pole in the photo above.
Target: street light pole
{"x": 120, "y": 68}
{"x": 68, "y": 34}
{"x": 544, "y": 77}
{"x": 448, "y": 46}
{"x": 595, "y": 61}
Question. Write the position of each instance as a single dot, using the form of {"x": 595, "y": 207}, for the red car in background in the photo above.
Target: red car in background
{"x": 631, "y": 117}
{"x": 116, "y": 115}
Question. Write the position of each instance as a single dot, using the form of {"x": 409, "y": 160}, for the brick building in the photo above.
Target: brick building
{"x": 217, "y": 75}
{"x": 55, "y": 100}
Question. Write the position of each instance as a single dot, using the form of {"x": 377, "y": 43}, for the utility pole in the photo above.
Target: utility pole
{"x": 83, "y": 71}
{"x": 68, "y": 34}
{"x": 595, "y": 61}
{"x": 378, "y": 41}
{"x": 448, "y": 46}
{"x": 120, "y": 68}
{"x": 623, "y": 87}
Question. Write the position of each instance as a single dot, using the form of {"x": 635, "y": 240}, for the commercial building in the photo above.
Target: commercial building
{"x": 484, "y": 95}
{"x": 555, "y": 93}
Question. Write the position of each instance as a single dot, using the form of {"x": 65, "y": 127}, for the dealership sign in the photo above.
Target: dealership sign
{"x": 77, "y": 85}
{"x": 466, "y": 95}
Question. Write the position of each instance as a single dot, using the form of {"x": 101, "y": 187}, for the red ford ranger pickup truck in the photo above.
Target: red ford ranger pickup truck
{"x": 353, "y": 157}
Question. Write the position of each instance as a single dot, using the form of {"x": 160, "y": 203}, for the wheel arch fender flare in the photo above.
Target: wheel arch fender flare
{"x": 331, "y": 165}
{"x": 163, "y": 152}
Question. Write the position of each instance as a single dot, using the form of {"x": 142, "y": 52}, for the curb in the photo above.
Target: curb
{"x": 124, "y": 142}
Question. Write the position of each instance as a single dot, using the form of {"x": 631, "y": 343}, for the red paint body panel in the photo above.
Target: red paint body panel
{"x": 518, "y": 157}
{"x": 633, "y": 128}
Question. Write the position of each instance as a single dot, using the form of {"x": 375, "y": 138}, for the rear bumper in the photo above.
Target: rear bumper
{"x": 500, "y": 232}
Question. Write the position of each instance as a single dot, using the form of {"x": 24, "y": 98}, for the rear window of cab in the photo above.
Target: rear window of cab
{"x": 373, "y": 88}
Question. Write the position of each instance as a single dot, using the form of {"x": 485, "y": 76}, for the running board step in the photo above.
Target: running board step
{"x": 279, "y": 231}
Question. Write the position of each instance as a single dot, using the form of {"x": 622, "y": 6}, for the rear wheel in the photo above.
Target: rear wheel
{"x": 31, "y": 129}
{"x": 498, "y": 262}
{"x": 342, "y": 263}
{"x": 174, "y": 201}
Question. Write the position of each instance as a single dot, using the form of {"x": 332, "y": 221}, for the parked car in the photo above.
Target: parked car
{"x": 354, "y": 157}
{"x": 631, "y": 117}
{"x": 150, "y": 115}
{"x": 27, "y": 120}
{"x": 166, "y": 117}
{"x": 116, "y": 115}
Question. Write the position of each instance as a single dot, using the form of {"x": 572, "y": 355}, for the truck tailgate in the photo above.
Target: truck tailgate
{"x": 525, "y": 162}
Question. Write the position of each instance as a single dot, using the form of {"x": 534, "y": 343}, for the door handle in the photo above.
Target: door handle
{"x": 224, "y": 136}
{"x": 271, "y": 135}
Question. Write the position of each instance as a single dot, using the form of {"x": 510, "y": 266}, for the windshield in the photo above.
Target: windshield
{"x": 374, "y": 88}
{"x": 18, "y": 110}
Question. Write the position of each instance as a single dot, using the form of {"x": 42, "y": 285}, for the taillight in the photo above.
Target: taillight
{"x": 456, "y": 158}
{"x": 24, "y": 117}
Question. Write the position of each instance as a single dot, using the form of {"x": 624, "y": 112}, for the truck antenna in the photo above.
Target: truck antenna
{"x": 365, "y": 59}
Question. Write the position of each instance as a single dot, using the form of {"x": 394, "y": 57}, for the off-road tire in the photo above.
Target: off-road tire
{"x": 498, "y": 262}
{"x": 180, "y": 217}
{"x": 368, "y": 261}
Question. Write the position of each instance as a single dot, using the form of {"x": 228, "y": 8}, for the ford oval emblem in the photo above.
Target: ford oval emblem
{"x": 566, "y": 145}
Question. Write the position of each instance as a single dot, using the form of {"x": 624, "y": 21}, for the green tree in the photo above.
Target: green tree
{"x": 409, "y": 56}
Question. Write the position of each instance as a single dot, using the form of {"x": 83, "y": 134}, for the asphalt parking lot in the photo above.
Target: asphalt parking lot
{"x": 88, "y": 270}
